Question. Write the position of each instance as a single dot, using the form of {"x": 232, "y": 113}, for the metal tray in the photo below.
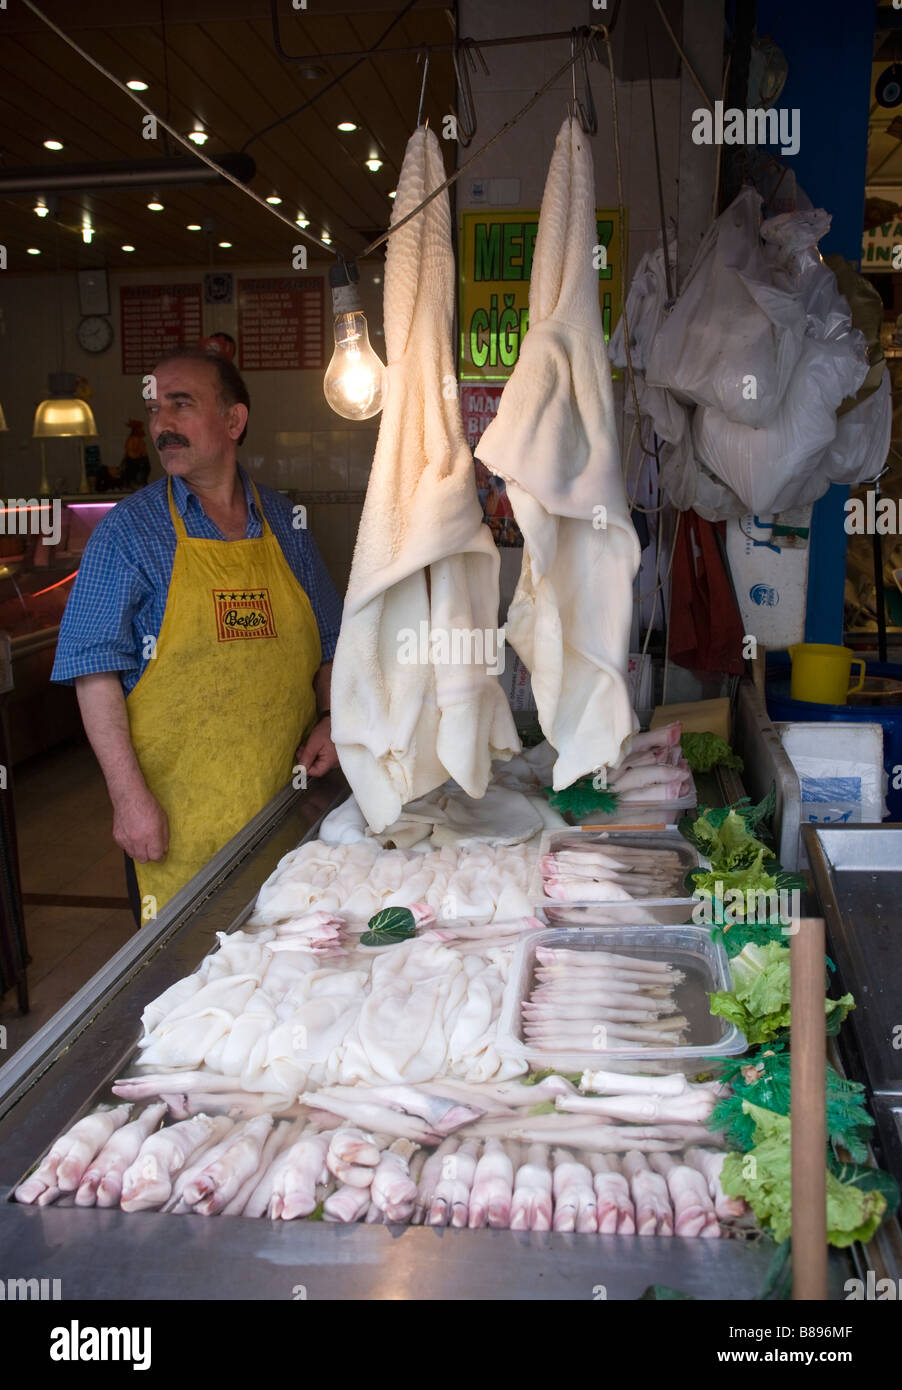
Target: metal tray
{"x": 857, "y": 872}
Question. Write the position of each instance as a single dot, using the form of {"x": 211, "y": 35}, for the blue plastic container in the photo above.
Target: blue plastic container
{"x": 784, "y": 710}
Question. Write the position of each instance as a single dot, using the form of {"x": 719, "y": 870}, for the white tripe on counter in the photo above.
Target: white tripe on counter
{"x": 477, "y": 883}
{"x": 448, "y": 816}
{"x": 264, "y": 1020}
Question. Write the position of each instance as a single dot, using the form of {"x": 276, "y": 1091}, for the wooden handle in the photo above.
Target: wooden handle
{"x": 808, "y": 1111}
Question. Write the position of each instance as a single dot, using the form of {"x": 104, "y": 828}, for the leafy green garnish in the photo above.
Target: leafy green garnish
{"x": 763, "y": 1077}
{"x": 545, "y": 1107}
{"x": 704, "y": 751}
{"x": 581, "y": 798}
{"x": 763, "y": 1177}
{"x": 390, "y": 925}
{"x": 758, "y": 1003}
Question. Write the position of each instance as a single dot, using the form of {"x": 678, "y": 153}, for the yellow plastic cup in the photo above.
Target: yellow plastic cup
{"x": 821, "y": 673}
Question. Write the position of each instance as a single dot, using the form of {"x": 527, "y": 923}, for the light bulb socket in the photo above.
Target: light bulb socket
{"x": 343, "y": 280}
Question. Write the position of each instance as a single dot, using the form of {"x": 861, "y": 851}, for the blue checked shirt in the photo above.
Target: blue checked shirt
{"x": 119, "y": 596}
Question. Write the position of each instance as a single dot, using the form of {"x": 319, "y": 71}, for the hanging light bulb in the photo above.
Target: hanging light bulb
{"x": 354, "y": 379}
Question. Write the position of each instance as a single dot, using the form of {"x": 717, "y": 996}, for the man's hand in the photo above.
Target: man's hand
{"x": 140, "y": 826}
{"x": 318, "y": 754}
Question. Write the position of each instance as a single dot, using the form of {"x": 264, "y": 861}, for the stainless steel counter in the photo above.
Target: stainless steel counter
{"x": 67, "y": 1068}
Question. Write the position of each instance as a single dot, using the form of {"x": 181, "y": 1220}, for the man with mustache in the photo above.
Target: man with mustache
{"x": 199, "y": 636}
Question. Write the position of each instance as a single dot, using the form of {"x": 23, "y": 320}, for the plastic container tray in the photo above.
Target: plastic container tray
{"x": 670, "y": 910}
{"x": 690, "y": 948}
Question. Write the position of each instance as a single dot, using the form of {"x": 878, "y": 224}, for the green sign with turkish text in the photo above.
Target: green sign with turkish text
{"x": 496, "y": 251}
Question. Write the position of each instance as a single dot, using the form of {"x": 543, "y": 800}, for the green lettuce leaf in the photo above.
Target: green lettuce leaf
{"x": 763, "y": 1177}
{"x": 752, "y": 877}
{"x": 759, "y": 1001}
{"x": 704, "y": 751}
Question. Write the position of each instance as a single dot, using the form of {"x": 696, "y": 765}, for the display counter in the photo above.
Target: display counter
{"x": 66, "y": 1069}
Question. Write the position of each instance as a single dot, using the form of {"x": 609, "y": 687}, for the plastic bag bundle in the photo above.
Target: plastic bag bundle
{"x": 734, "y": 337}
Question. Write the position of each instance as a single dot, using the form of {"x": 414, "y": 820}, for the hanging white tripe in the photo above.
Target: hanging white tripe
{"x": 554, "y": 441}
{"x": 409, "y": 713}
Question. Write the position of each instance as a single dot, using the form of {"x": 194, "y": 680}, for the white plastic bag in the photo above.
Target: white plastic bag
{"x": 733, "y": 338}
{"x": 861, "y": 445}
{"x": 766, "y": 466}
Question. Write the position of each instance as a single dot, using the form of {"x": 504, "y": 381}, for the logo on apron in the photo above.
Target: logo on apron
{"x": 243, "y": 613}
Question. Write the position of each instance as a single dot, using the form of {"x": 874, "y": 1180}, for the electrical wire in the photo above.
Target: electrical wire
{"x": 689, "y": 68}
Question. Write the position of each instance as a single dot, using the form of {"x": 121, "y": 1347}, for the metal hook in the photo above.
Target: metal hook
{"x": 424, "y": 54}
{"x": 583, "y": 110}
{"x": 466, "y": 117}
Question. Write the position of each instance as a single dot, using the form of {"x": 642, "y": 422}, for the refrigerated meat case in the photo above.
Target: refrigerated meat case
{"x": 67, "y": 1069}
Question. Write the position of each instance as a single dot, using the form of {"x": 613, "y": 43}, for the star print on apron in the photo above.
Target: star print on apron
{"x": 219, "y": 711}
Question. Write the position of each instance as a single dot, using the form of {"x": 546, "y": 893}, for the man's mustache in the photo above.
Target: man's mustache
{"x": 168, "y": 438}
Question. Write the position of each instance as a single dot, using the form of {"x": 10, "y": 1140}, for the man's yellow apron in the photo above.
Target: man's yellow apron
{"x": 220, "y": 709}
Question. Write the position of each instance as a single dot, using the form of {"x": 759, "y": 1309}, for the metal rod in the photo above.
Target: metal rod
{"x": 879, "y": 595}
{"x": 318, "y": 58}
{"x": 808, "y": 1110}
{"x": 150, "y": 173}
{"x": 665, "y": 251}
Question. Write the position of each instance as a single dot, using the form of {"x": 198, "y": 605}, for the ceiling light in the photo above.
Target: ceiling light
{"x": 41, "y": 209}
{"x": 347, "y": 125}
{"x": 33, "y": 251}
{"x": 274, "y": 199}
{"x": 53, "y": 145}
{"x": 193, "y": 227}
{"x": 225, "y": 245}
{"x": 155, "y": 206}
{"x": 200, "y": 137}
{"x": 394, "y": 193}
{"x": 326, "y": 238}
{"x": 87, "y": 233}
{"x": 302, "y": 221}
{"x": 136, "y": 84}
{"x": 374, "y": 165}
{"x": 127, "y": 248}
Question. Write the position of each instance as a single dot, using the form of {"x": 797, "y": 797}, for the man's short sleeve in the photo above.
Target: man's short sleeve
{"x": 96, "y": 632}
{"x": 323, "y": 597}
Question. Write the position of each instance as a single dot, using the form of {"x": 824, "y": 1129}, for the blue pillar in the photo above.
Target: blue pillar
{"x": 829, "y": 48}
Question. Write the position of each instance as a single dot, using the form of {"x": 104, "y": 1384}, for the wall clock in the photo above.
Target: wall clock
{"x": 94, "y": 333}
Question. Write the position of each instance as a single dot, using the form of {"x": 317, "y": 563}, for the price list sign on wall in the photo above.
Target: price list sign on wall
{"x": 156, "y": 318}
{"x": 280, "y": 324}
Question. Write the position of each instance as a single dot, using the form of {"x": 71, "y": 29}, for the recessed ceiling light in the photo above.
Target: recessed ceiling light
{"x": 394, "y": 193}
{"x": 274, "y": 199}
{"x": 53, "y": 145}
{"x": 41, "y": 209}
{"x": 33, "y": 251}
{"x": 225, "y": 244}
{"x": 326, "y": 238}
{"x": 136, "y": 85}
{"x": 347, "y": 125}
{"x": 127, "y": 248}
{"x": 193, "y": 227}
{"x": 200, "y": 137}
{"x": 302, "y": 221}
{"x": 155, "y": 206}
{"x": 374, "y": 165}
